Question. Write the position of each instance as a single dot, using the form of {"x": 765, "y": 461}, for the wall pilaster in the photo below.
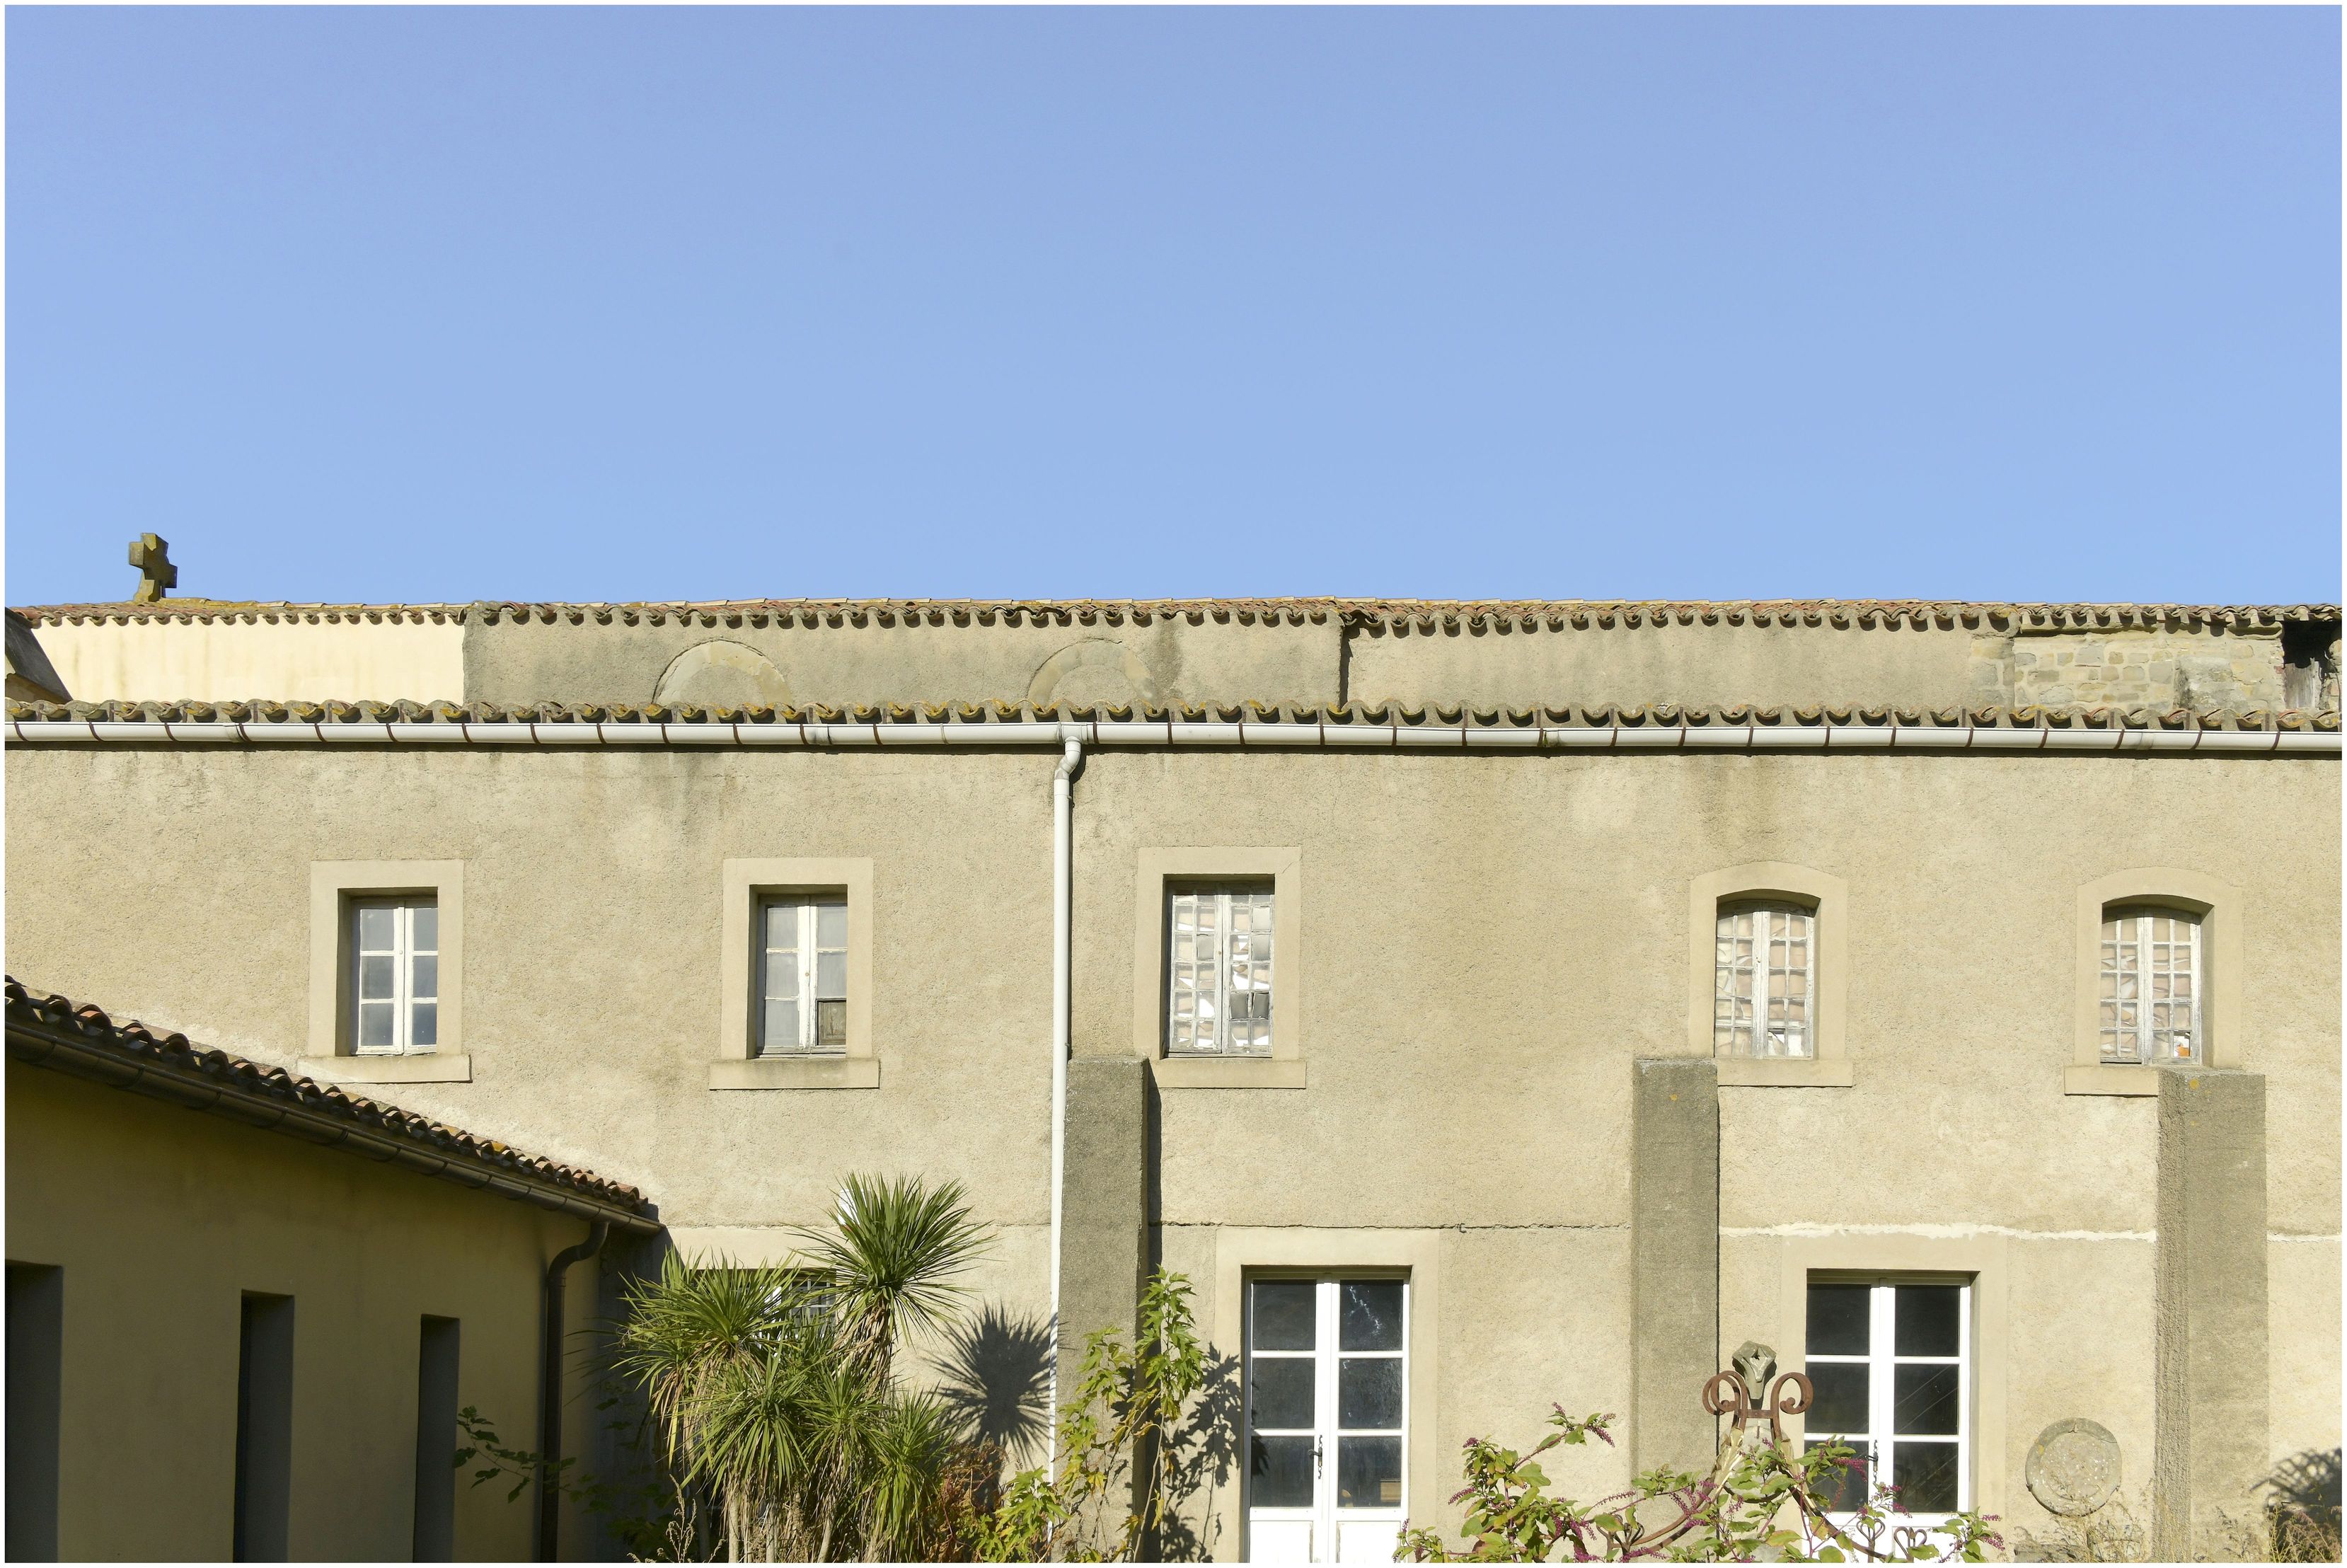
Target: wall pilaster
{"x": 2209, "y": 1446}
{"x": 1674, "y": 1260}
{"x": 1104, "y": 1252}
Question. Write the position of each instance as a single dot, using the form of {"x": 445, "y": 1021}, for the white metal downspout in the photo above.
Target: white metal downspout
{"x": 1062, "y": 859}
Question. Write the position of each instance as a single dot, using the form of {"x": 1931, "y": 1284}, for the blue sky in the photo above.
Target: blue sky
{"x": 537, "y": 304}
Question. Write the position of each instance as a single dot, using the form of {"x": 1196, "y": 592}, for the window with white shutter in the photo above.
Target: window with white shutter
{"x": 1218, "y": 971}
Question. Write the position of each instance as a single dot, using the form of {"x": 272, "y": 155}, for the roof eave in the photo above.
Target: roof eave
{"x": 107, "y": 1053}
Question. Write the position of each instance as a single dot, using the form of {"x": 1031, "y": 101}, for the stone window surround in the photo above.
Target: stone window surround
{"x": 2219, "y": 905}
{"x": 1241, "y": 1252}
{"x": 1830, "y": 1067}
{"x": 1979, "y": 1260}
{"x": 737, "y": 1065}
{"x": 1285, "y": 1067}
{"x": 329, "y": 1054}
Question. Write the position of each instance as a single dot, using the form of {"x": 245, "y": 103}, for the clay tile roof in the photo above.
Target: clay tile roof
{"x": 963, "y": 715}
{"x": 53, "y": 1032}
{"x": 1397, "y": 615}
{"x": 184, "y": 609}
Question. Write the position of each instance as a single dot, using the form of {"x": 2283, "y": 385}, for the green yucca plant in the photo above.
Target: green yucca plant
{"x": 687, "y": 1330}
{"x": 774, "y": 1387}
{"x": 913, "y": 1450}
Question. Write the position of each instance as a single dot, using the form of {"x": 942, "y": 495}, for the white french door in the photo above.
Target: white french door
{"x": 1889, "y": 1364}
{"x": 1327, "y": 1398}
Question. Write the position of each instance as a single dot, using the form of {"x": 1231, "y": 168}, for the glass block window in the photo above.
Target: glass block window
{"x": 2150, "y": 996}
{"x": 395, "y": 949}
{"x": 1218, "y": 971}
{"x": 1762, "y": 981}
{"x": 803, "y": 975}
{"x": 1889, "y": 1364}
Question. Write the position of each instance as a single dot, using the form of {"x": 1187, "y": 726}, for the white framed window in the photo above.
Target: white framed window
{"x": 1218, "y": 970}
{"x": 395, "y": 949}
{"x": 2149, "y": 999}
{"x": 803, "y": 974}
{"x": 1889, "y": 1362}
{"x": 1762, "y": 976}
{"x": 1328, "y": 1417}
{"x": 794, "y": 971}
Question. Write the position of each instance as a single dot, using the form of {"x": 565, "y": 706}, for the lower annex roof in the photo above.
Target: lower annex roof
{"x": 53, "y": 1032}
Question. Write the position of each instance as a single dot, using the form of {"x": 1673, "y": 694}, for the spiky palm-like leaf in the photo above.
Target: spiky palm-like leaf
{"x": 783, "y": 1438}
{"x": 892, "y": 1257}
{"x": 692, "y": 1327}
{"x": 911, "y": 1449}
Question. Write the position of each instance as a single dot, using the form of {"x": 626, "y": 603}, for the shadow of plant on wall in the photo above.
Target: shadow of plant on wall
{"x": 1199, "y": 1462}
{"x": 2302, "y": 1507}
{"x": 1143, "y": 1430}
{"x": 995, "y": 1374}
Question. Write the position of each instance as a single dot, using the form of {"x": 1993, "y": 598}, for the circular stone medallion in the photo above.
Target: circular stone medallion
{"x": 2074, "y": 1467}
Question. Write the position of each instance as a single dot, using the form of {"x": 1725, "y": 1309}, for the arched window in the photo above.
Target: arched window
{"x": 1768, "y": 975}
{"x": 1762, "y": 990}
{"x": 2150, "y": 986}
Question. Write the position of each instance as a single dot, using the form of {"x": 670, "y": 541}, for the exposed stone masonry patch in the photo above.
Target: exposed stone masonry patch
{"x": 2131, "y": 668}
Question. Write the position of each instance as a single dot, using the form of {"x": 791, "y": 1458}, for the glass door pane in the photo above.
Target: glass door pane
{"x": 1283, "y": 1412}
{"x": 1839, "y": 1358}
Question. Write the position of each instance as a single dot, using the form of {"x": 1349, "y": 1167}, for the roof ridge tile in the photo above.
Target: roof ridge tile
{"x": 1425, "y": 615}
{"x": 956, "y": 713}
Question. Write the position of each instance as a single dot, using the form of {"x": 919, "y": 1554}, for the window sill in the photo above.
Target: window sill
{"x": 796, "y": 1073}
{"x": 2102, "y": 1078}
{"x": 424, "y": 1067}
{"x": 1782, "y": 1072}
{"x": 1229, "y": 1072}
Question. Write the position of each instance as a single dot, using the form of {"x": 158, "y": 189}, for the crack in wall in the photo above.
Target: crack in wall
{"x": 1236, "y": 1224}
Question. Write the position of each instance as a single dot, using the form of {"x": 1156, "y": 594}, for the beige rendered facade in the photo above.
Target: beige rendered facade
{"x": 156, "y": 1200}
{"x": 1493, "y": 834}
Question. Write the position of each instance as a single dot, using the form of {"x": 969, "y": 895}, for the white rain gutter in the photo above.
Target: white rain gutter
{"x": 1062, "y": 979}
{"x": 1172, "y": 733}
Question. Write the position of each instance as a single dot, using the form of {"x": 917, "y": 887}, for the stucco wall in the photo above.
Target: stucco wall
{"x": 1168, "y": 660}
{"x": 592, "y": 1005}
{"x": 1486, "y": 943}
{"x": 742, "y": 657}
{"x": 2210, "y": 666}
{"x": 160, "y": 1218}
{"x": 229, "y": 660}
{"x": 1673, "y": 663}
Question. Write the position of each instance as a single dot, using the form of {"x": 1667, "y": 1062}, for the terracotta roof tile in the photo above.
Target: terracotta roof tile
{"x": 979, "y": 715}
{"x": 1396, "y": 615}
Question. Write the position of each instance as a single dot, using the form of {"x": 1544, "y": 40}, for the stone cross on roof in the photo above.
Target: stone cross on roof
{"x": 150, "y": 553}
